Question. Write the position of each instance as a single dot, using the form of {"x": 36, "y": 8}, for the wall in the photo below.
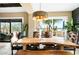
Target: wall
{"x": 67, "y": 13}
{"x": 21, "y": 14}
{"x": 31, "y": 26}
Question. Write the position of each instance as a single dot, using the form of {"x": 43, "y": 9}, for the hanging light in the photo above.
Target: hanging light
{"x": 40, "y": 15}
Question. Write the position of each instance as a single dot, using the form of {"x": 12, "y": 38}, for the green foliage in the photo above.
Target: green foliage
{"x": 24, "y": 27}
{"x": 69, "y": 25}
{"x": 49, "y": 21}
{"x": 54, "y": 21}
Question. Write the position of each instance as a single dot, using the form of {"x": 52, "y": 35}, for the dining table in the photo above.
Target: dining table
{"x": 54, "y": 40}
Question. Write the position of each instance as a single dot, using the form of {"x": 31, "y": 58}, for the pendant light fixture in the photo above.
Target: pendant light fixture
{"x": 40, "y": 15}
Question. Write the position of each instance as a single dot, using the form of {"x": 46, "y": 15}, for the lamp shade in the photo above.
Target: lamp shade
{"x": 40, "y": 15}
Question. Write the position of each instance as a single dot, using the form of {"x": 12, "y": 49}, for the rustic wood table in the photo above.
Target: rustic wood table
{"x": 25, "y": 41}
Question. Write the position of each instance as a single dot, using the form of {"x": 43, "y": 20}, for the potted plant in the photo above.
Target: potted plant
{"x": 25, "y": 29}
{"x": 48, "y": 33}
{"x": 69, "y": 25}
{"x": 48, "y": 22}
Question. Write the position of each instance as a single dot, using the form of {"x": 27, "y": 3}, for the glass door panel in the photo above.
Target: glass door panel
{"x": 5, "y": 27}
{"x": 15, "y": 26}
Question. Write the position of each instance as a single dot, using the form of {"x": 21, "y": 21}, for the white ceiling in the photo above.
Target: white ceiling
{"x": 54, "y": 7}
{"x": 49, "y": 7}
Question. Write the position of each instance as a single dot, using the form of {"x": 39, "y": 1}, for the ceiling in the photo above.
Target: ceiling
{"x": 55, "y": 6}
{"x": 49, "y": 7}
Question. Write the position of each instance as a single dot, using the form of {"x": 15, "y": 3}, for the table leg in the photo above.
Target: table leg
{"x": 61, "y": 47}
{"x": 24, "y": 46}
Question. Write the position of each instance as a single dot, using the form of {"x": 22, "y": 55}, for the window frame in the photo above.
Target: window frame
{"x": 10, "y": 21}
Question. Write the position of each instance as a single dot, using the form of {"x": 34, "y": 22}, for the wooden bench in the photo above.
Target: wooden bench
{"x": 43, "y": 52}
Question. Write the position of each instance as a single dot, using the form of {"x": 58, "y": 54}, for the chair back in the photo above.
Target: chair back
{"x": 14, "y": 37}
{"x": 36, "y": 34}
{"x": 72, "y": 37}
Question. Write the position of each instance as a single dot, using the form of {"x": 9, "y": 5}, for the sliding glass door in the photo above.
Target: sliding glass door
{"x": 5, "y": 27}
{"x": 10, "y": 25}
{"x": 15, "y": 26}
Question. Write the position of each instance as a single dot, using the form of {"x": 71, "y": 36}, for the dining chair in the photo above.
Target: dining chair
{"x": 14, "y": 45}
{"x": 33, "y": 46}
{"x": 72, "y": 37}
{"x": 49, "y": 46}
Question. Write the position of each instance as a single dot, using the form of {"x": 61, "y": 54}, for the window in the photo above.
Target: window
{"x": 8, "y": 26}
{"x": 59, "y": 23}
{"x": 5, "y": 27}
{"x": 51, "y": 23}
{"x": 15, "y": 26}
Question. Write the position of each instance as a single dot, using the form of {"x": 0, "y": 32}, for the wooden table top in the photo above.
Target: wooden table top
{"x": 43, "y": 52}
{"x": 48, "y": 41}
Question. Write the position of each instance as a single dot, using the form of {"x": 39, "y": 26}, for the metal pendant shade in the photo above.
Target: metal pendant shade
{"x": 40, "y": 15}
